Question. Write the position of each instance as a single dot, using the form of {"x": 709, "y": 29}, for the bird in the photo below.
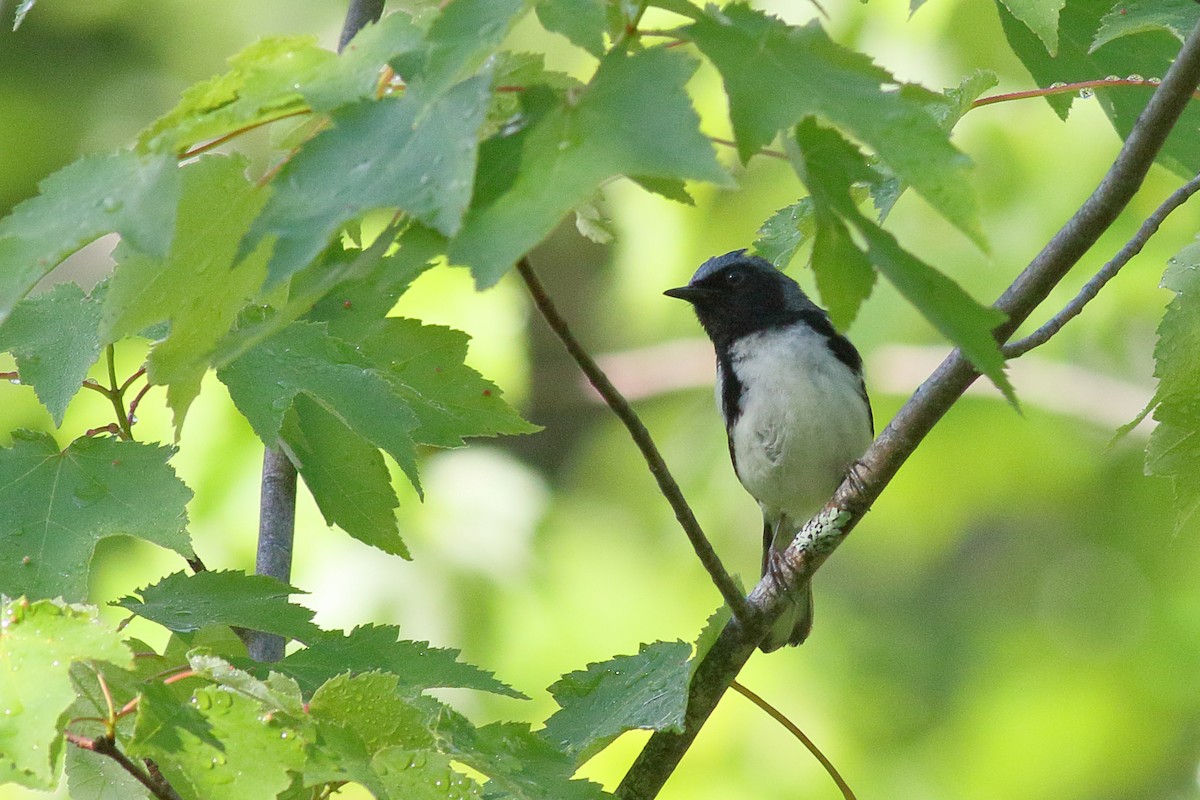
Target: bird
{"x": 791, "y": 391}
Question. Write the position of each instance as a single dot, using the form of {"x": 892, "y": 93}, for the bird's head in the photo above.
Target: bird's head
{"x": 737, "y": 294}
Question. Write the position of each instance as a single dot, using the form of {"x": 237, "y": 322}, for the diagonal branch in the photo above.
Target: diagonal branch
{"x": 641, "y": 437}
{"x": 912, "y": 423}
{"x": 106, "y": 746}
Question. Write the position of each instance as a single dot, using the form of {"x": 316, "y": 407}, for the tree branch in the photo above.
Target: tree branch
{"x": 277, "y": 510}
{"x": 276, "y": 536}
{"x": 1106, "y": 273}
{"x": 913, "y": 422}
{"x": 106, "y": 746}
{"x": 641, "y": 437}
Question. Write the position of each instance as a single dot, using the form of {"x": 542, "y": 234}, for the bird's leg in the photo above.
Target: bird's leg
{"x": 776, "y": 565}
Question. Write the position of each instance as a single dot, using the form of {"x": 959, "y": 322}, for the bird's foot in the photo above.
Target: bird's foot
{"x": 856, "y": 476}
{"x": 778, "y": 570}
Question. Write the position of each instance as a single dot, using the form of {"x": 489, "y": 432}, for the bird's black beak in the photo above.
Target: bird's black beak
{"x": 692, "y": 294}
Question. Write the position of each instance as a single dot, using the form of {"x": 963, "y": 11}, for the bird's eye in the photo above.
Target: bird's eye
{"x": 735, "y": 277}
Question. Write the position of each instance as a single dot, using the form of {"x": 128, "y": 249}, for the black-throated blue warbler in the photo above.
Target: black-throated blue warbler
{"x": 791, "y": 391}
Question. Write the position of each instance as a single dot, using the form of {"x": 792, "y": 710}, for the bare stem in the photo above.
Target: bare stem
{"x": 1065, "y": 88}
{"x": 115, "y": 394}
{"x": 794, "y": 729}
{"x": 641, "y": 437}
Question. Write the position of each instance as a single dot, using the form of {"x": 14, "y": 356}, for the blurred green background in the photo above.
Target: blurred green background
{"x": 1015, "y": 619}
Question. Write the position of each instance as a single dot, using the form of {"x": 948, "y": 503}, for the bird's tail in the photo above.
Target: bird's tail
{"x": 794, "y": 626}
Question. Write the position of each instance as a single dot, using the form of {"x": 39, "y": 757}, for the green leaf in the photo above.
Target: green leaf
{"x": 353, "y": 306}
{"x": 530, "y": 180}
{"x": 182, "y": 602}
{"x": 197, "y": 288}
{"x": 681, "y": 7}
{"x": 670, "y": 188}
{"x": 1177, "y": 17}
{"x": 355, "y": 718}
{"x": 462, "y": 38}
{"x": 415, "y": 153}
{"x": 776, "y": 75}
{"x": 337, "y": 267}
{"x": 58, "y": 505}
{"x": 38, "y": 643}
{"x": 346, "y": 475}
{"x": 709, "y": 634}
{"x": 163, "y": 719}
{"x": 262, "y": 84}
{"x": 369, "y": 706}
{"x": 952, "y": 104}
{"x": 1041, "y": 16}
{"x": 647, "y": 692}
{"x": 582, "y": 21}
{"x": 304, "y": 358}
{"x": 410, "y": 775}
{"x": 425, "y": 366}
{"x": 55, "y": 341}
{"x": 259, "y": 750}
{"x": 829, "y": 166}
{"x": 1174, "y": 449}
{"x": 1148, "y": 55}
{"x": 278, "y": 694}
{"x": 132, "y": 195}
{"x": 785, "y": 231}
{"x": 519, "y": 763}
{"x": 96, "y": 777}
{"x": 375, "y": 647}
{"x": 281, "y": 76}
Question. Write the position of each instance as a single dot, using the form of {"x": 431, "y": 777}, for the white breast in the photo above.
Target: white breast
{"x": 803, "y": 420}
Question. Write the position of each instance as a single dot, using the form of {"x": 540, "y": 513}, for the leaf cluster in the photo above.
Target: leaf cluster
{"x": 347, "y": 708}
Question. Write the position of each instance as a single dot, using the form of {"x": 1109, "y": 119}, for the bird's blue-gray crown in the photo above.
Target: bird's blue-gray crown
{"x": 737, "y": 294}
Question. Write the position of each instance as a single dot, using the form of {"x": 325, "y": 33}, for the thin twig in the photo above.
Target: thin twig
{"x": 111, "y": 722}
{"x": 763, "y": 152}
{"x": 1107, "y": 273}
{"x": 931, "y": 401}
{"x": 137, "y": 398}
{"x": 204, "y": 147}
{"x": 129, "y": 381}
{"x": 641, "y": 437}
{"x": 794, "y": 729}
{"x": 114, "y": 394}
{"x": 1067, "y": 88}
{"x": 106, "y": 746}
